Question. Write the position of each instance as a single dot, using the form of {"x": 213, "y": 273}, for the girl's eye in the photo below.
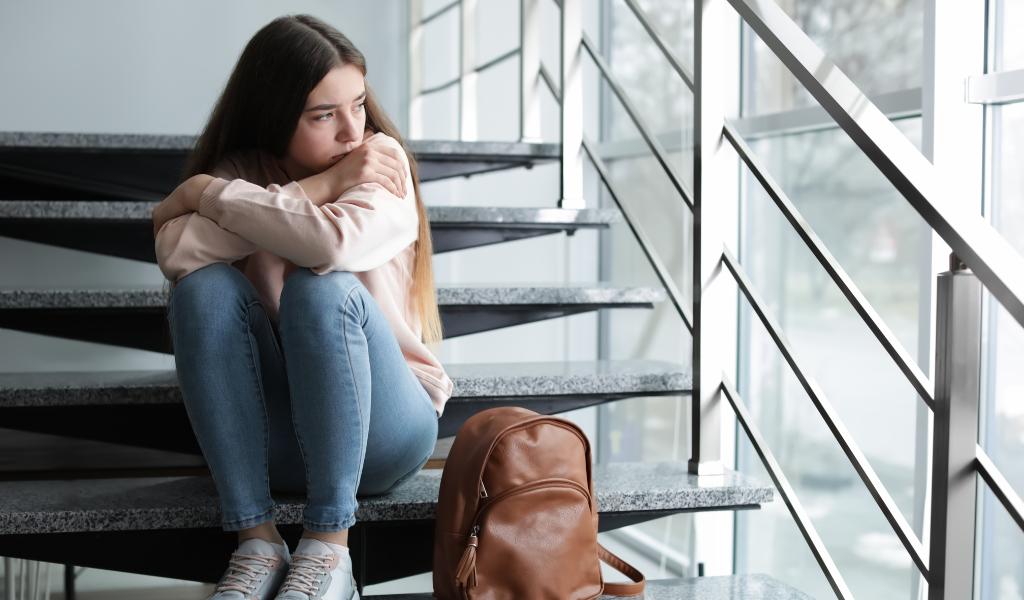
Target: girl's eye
{"x": 323, "y": 117}
{"x": 361, "y": 105}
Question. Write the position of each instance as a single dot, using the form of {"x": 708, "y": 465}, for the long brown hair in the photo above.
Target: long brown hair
{"x": 261, "y": 105}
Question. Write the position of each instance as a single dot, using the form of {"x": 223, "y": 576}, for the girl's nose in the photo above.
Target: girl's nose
{"x": 348, "y": 129}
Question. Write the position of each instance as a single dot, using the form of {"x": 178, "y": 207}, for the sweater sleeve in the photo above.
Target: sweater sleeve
{"x": 191, "y": 241}
{"x": 364, "y": 228}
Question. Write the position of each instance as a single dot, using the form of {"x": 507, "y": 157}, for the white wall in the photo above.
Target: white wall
{"x": 141, "y": 66}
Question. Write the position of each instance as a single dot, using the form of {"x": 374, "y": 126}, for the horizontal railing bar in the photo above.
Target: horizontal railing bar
{"x": 895, "y": 105}
{"x": 634, "y": 114}
{"x": 494, "y": 61}
{"x": 546, "y": 76}
{"x": 440, "y": 11}
{"x": 662, "y": 43}
{"x": 885, "y": 336}
{"x": 1004, "y": 87}
{"x": 1000, "y": 487}
{"x": 645, "y": 242}
{"x": 900, "y": 104}
{"x": 443, "y": 86}
{"x": 831, "y": 418}
{"x": 803, "y": 520}
{"x": 999, "y": 267}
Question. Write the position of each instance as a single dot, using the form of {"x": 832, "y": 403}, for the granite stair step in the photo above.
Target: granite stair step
{"x": 125, "y": 228}
{"x": 136, "y": 318}
{"x": 110, "y": 406}
{"x": 62, "y": 166}
{"x": 726, "y": 587}
{"x": 82, "y": 522}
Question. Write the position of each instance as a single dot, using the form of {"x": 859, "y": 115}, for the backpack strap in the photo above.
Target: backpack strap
{"x": 621, "y": 589}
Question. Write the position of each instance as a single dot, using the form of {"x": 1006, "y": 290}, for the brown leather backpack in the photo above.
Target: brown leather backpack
{"x": 517, "y": 516}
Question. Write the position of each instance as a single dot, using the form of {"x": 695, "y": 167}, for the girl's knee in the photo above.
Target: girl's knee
{"x": 308, "y": 293}
{"x": 210, "y": 290}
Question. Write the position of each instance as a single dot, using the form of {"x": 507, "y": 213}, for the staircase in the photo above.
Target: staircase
{"x": 138, "y": 477}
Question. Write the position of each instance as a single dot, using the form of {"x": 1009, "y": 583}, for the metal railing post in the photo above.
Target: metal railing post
{"x": 709, "y": 292}
{"x": 415, "y": 69}
{"x": 572, "y": 105}
{"x": 954, "y": 483}
{"x": 529, "y": 71}
{"x": 467, "y": 71}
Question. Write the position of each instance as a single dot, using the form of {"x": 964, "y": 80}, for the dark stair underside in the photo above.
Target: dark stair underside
{"x": 125, "y": 229}
{"x": 137, "y": 318}
{"x": 55, "y": 166}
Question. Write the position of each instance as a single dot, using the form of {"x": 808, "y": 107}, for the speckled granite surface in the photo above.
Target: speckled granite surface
{"x": 76, "y": 209}
{"x": 90, "y": 141}
{"x": 177, "y": 502}
{"x": 446, "y": 296}
{"x": 729, "y": 587}
{"x": 470, "y": 381}
{"x": 576, "y": 377}
{"x": 548, "y": 294}
{"x": 104, "y": 141}
{"x": 133, "y": 298}
{"x": 461, "y": 215}
{"x": 521, "y": 216}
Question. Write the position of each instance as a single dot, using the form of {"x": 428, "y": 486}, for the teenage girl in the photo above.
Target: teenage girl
{"x": 302, "y": 307}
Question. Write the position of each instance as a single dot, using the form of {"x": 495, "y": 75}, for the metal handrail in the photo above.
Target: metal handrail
{"x": 977, "y": 243}
{"x": 803, "y": 520}
{"x": 641, "y": 237}
{"x": 924, "y": 386}
{"x": 634, "y": 114}
{"x": 550, "y": 82}
{"x": 1000, "y": 487}
{"x": 860, "y": 462}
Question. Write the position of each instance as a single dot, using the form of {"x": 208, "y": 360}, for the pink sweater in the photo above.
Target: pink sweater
{"x": 266, "y": 230}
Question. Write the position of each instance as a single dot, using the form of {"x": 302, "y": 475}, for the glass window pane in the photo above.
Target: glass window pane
{"x": 1009, "y": 43}
{"x": 1003, "y": 548}
{"x": 875, "y": 235}
{"x": 877, "y": 44}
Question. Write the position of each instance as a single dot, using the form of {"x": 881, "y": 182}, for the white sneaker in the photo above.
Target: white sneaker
{"x": 257, "y": 569}
{"x": 319, "y": 571}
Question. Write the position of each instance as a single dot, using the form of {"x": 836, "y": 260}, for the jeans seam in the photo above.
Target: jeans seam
{"x": 355, "y": 385}
{"x": 253, "y": 353}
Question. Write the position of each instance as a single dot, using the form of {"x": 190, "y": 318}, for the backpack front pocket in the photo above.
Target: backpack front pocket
{"x": 535, "y": 541}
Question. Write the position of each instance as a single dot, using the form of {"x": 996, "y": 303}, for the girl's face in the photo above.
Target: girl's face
{"x": 331, "y": 124}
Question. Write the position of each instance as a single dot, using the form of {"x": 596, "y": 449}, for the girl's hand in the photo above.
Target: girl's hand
{"x": 183, "y": 200}
{"x": 368, "y": 163}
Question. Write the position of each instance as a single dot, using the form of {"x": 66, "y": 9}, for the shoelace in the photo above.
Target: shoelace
{"x": 241, "y": 575}
{"x": 302, "y": 577}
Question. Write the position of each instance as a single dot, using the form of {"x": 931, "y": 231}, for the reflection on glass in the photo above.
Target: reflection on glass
{"x": 876, "y": 43}
{"x": 874, "y": 234}
{"x": 1002, "y": 576}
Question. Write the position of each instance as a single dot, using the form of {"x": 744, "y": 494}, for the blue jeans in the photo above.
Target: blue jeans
{"x": 338, "y": 413}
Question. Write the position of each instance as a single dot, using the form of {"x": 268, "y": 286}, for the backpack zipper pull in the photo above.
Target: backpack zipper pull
{"x": 483, "y": 489}
{"x": 465, "y": 573}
